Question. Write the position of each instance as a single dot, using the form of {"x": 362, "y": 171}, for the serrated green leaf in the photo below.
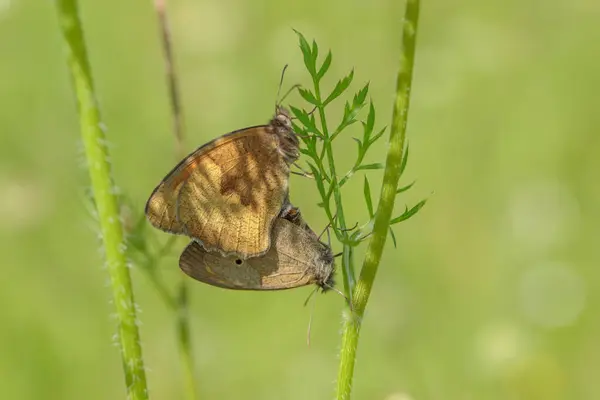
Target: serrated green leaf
{"x": 408, "y": 213}
{"x": 304, "y": 118}
{"x": 370, "y": 124}
{"x": 308, "y": 96}
{"x": 305, "y": 152}
{"x": 347, "y": 109}
{"x": 339, "y": 88}
{"x": 309, "y": 130}
{"x": 325, "y": 67}
{"x": 300, "y": 132}
{"x": 404, "y": 160}
{"x": 315, "y": 50}
{"x": 405, "y": 188}
{"x": 309, "y": 60}
{"x": 318, "y": 179}
{"x": 311, "y": 145}
{"x": 350, "y": 111}
{"x": 370, "y": 166}
{"x": 359, "y": 158}
{"x": 367, "y": 194}
{"x": 393, "y": 235}
{"x": 359, "y": 98}
{"x": 303, "y": 43}
{"x": 376, "y": 137}
{"x": 360, "y": 146}
{"x": 301, "y": 115}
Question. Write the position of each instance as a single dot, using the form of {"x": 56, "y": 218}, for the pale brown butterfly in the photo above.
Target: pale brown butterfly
{"x": 296, "y": 258}
{"x": 226, "y": 194}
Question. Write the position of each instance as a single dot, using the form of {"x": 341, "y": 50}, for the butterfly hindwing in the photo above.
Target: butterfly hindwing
{"x": 295, "y": 259}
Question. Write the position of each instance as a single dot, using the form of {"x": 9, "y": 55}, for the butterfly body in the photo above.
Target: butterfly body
{"x": 227, "y": 193}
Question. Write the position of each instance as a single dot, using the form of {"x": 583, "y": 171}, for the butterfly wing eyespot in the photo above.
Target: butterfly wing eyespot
{"x": 216, "y": 270}
{"x": 226, "y": 194}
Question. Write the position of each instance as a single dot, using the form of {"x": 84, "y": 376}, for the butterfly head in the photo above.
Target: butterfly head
{"x": 281, "y": 125}
{"x": 282, "y": 118}
{"x": 325, "y": 270}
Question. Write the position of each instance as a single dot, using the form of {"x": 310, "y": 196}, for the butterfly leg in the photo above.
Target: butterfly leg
{"x": 288, "y": 211}
{"x": 350, "y": 229}
{"x": 291, "y": 213}
{"x": 303, "y": 172}
{"x": 326, "y": 229}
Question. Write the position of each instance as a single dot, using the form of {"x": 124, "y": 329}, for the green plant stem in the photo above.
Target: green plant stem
{"x": 106, "y": 202}
{"x": 182, "y": 305}
{"x": 351, "y": 329}
{"x": 184, "y": 341}
{"x": 347, "y": 264}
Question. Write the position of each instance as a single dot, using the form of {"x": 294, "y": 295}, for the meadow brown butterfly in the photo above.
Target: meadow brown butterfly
{"x": 296, "y": 258}
{"x": 226, "y": 194}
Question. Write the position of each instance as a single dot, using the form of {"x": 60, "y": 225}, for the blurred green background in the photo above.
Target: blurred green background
{"x": 493, "y": 290}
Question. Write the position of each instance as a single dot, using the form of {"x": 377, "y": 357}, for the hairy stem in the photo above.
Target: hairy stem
{"x": 107, "y": 206}
{"x": 351, "y": 329}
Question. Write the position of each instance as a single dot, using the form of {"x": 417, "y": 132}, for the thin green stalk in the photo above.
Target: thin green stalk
{"x": 347, "y": 265}
{"x": 184, "y": 341}
{"x": 182, "y": 309}
{"x": 106, "y": 202}
{"x": 351, "y": 329}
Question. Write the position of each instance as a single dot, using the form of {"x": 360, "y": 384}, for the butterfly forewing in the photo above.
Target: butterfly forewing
{"x": 226, "y": 194}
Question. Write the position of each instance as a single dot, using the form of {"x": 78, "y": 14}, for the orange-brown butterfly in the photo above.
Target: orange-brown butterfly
{"x": 226, "y": 194}
{"x": 296, "y": 258}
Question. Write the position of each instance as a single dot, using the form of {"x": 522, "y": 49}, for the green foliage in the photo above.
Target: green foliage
{"x": 318, "y": 148}
{"x": 368, "y": 200}
{"x": 317, "y": 142}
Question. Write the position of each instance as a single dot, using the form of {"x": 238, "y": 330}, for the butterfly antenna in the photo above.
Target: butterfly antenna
{"x": 296, "y": 86}
{"x": 312, "y": 311}
{"x": 310, "y": 295}
{"x": 280, "y": 83}
{"x": 327, "y": 229}
{"x": 290, "y": 90}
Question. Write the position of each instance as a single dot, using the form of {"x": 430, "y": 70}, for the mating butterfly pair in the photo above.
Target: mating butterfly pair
{"x": 231, "y": 197}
